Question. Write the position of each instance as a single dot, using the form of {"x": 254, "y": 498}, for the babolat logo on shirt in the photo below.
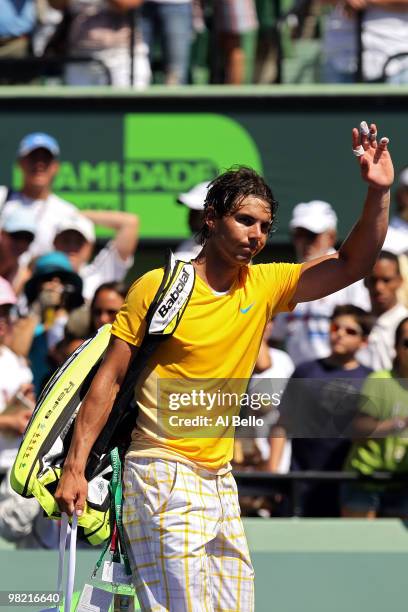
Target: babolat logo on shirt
{"x": 173, "y": 299}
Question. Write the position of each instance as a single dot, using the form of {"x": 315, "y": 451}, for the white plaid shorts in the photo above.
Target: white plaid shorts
{"x": 185, "y": 538}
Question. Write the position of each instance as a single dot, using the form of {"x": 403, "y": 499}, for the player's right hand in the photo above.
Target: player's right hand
{"x": 71, "y": 492}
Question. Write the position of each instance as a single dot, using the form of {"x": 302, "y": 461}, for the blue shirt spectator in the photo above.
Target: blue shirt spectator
{"x": 17, "y": 18}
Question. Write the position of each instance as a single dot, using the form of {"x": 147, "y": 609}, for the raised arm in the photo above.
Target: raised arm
{"x": 125, "y": 225}
{"x": 93, "y": 414}
{"x": 356, "y": 256}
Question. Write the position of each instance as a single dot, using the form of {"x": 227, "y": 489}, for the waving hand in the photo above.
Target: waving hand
{"x": 374, "y": 159}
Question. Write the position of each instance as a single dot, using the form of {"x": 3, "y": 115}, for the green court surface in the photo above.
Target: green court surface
{"x": 329, "y": 565}
{"x": 301, "y": 565}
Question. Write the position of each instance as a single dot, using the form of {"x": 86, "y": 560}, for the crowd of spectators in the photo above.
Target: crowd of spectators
{"x": 175, "y": 42}
{"x": 338, "y": 364}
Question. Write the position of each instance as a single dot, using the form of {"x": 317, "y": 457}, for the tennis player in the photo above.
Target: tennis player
{"x": 181, "y": 513}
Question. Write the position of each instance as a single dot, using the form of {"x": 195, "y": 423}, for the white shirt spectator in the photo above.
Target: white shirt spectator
{"x": 379, "y": 352}
{"x": 305, "y": 331}
{"x": 14, "y": 372}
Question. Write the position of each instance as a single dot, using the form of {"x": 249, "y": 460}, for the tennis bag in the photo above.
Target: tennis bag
{"x": 40, "y": 459}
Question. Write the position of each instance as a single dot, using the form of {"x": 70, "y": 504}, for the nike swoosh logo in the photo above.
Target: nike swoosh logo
{"x": 245, "y": 310}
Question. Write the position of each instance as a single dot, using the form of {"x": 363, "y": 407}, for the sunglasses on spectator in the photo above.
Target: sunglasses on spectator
{"x": 8, "y": 314}
{"x": 350, "y": 331}
{"x": 404, "y": 343}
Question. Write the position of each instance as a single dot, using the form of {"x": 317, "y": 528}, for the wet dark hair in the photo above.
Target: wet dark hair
{"x": 364, "y": 319}
{"x": 226, "y": 192}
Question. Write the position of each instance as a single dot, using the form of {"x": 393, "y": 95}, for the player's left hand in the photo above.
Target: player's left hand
{"x": 375, "y": 161}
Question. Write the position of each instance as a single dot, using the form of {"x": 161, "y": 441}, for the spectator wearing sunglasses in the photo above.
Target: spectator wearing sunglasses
{"x": 318, "y": 407}
{"x": 383, "y": 284}
{"x": 381, "y": 426}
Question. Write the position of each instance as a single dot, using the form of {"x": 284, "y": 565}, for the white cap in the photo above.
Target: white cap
{"x": 195, "y": 198}
{"x": 77, "y": 223}
{"x": 316, "y": 216}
